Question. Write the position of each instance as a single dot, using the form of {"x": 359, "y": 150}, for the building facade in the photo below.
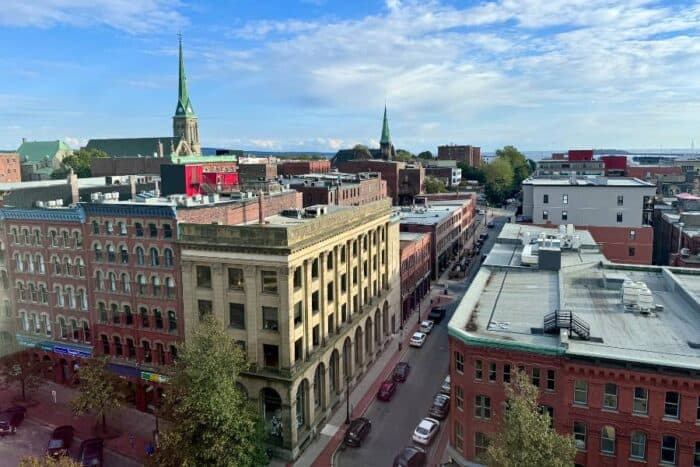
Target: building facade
{"x": 10, "y": 167}
{"x": 312, "y": 300}
{"x": 287, "y": 168}
{"x": 450, "y": 176}
{"x": 415, "y": 271}
{"x": 465, "y": 154}
{"x": 339, "y": 189}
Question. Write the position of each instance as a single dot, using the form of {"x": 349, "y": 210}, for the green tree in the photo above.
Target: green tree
{"x": 100, "y": 391}
{"x": 362, "y": 151}
{"x": 27, "y": 372}
{"x": 470, "y": 172}
{"x": 525, "y": 436}
{"x": 214, "y": 423}
{"x": 434, "y": 185}
{"x": 46, "y": 461}
{"x": 79, "y": 161}
{"x": 499, "y": 180}
{"x": 403, "y": 156}
{"x": 516, "y": 159}
{"x": 426, "y": 155}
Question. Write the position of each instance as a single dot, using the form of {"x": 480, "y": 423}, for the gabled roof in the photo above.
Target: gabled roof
{"x": 38, "y": 150}
{"x": 184, "y": 106}
{"x": 133, "y": 147}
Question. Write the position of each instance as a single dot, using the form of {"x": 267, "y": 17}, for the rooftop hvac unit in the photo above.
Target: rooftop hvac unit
{"x": 685, "y": 252}
{"x": 39, "y": 204}
{"x": 95, "y": 196}
{"x": 51, "y": 204}
{"x": 59, "y": 202}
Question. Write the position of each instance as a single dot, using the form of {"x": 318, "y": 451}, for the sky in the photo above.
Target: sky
{"x": 303, "y": 75}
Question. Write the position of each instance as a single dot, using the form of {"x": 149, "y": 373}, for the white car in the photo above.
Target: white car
{"x": 445, "y": 388}
{"x": 418, "y": 339}
{"x": 425, "y": 431}
{"x": 426, "y": 326}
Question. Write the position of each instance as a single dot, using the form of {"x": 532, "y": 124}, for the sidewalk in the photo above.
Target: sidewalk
{"x": 321, "y": 452}
{"x": 127, "y": 420}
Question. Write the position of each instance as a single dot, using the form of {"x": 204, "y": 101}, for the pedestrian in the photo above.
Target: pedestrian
{"x": 149, "y": 449}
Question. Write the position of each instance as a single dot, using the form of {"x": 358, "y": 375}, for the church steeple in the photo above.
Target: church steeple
{"x": 185, "y": 127}
{"x": 386, "y": 149}
{"x": 386, "y": 136}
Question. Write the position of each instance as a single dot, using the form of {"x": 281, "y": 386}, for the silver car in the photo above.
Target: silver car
{"x": 426, "y": 431}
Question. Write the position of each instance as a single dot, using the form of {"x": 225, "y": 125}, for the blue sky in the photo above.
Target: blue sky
{"x": 314, "y": 74}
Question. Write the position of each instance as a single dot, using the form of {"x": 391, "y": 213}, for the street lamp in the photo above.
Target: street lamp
{"x": 347, "y": 399}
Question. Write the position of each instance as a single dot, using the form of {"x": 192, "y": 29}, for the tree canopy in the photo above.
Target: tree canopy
{"x": 79, "y": 161}
{"x": 434, "y": 185}
{"x": 27, "y": 372}
{"x": 470, "y": 172}
{"x": 361, "y": 149}
{"x": 403, "y": 156}
{"x": 518, "y": 162}
{"x": 525, "y": 436}
{"x": 426, "y": 155}
{"x": 499, "y": 178}
{"x": 214, "y": 423}
{"x": 100, "y": 390}
{"x": 47, "y": 461}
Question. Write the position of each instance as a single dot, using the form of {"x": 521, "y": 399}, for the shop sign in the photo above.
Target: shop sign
{"x": 154, "y": 377}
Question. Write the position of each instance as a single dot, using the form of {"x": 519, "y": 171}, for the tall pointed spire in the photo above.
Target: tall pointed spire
{"x": 184, "y": 106}
{"x": 386, "y": 136}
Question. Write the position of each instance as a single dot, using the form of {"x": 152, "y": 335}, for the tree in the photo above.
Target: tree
{"x": 525, "y": 436}
{"x": 47, "y": 461}
{"x": 516, "y": 159}
{"x": 26, "y": 371}
{"x": 214, "y": 423}
{"x": 426, "y": 155}
{"x": 403, "y": 156}
{"x": 499, "y": 180}
{"x": 434, "y": 185}
{"x": 100, "y": 391}
{"x": 469, "y": 172}
{"x": 361, "y": 151}
{"x": 79, "y": 161}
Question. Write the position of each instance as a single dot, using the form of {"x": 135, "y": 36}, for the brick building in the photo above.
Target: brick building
{"x": 403, "y": 182}
{"x": 253, "y": 170}
{"x": 10, "y": 167}
{"x": 613, "y": 370}
{"x": 465, "y": 154}
{"x": 415, "y": 270}
{"x": 450, "y": 176}
{"x": 287, "y": 168}
{"x": 339, "y": 189}
{"x": 677, "y": 232}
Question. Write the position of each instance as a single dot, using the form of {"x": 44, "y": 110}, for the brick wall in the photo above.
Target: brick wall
{"x": 303, "y": 167}
{"x": 239, "y": 212}
{"x": 127, "y": 166}
{"x": 389, "y": 171}
{"x": 10, "y": 169}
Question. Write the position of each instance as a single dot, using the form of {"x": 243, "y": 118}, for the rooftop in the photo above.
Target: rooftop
{"x": 588, "y": 181}
{"x": 508, "y": 301}
{"x": 426, "y": 215}
{"x": 90, "y": 182}
{"x": 407, "y": 237}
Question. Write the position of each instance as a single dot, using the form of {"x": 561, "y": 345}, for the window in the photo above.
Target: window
{"x": 482, "y": 407}
{"x": 459, "y": 435}
{"x": 269, "y": 318}
{"x": 459, "y": 397}
{"x": 330, "y": 289}
{"x": 147, "y": 357}
{"x": 139, "y": 229}
{"x": 236, "y": 315}
{"x": 565, "y": 215}
{"x": 314, "y": 302}
{"x": 124, "y": 254}
{"x": 481, "y": 444}
{"x": 610, "y": 396}
{"x": 607, "y": 440}
{"x": 153, "y": 230}
{"x": 141, "y": 279}
{"x": 155, "y": 260}
{"x": 696, "y": 457}
{"x": 102, "y": 309}
{"x": 580, "y": 435}
{"x": 143, "y": 313}
{"x": 155, "y": 285}
{"x": 697, "y": 414}
{"x": 205, "y": 308}
{"x": 506, "y": 373}
{"x": 631, "y": 251}
{"x": 235, "y": 278}
{"x": 619, "y": 216}
{"x": 297, "y": 277}
{"x": 314, "y": 269}
{"x": 271, "y": 356}
{"x": 551, "y": 380}
{"x": 204, "y": 277}
{"x": 545, "y": 199}
{"x": 109, "y": 227}
{"x": 140, "y": 256}
{"x": 95, "y": 228}
{"x": 564, "y": 199}
{"x": 316, "y": 336}
{"x": 633, "y": 234}
{"x": 581, "y": 392}
{"x": 125, "y": 283}
{"x": 128, "y": 316}
{"x": 545, "y": 215}
{"x": 168, "y": 257}
{"x": 172, "y": 321}
{"x": 343, "y": 283}
{"x": 268, "y": 280}
{"x": 478, "y": 370}
{"x": 638, "y": 445}
{"x": 111, "y": 253}
{"x": 329, "y": 261}
{"x": 130, "y": 349}
{"x": 158, "y": 318}
{"x": 640, "y": 404}
{"x": 459, "y": 362}
{"x": 122, "y": 228}
{"x": 536, "y": 377}
{"x": 492, "y": 371}
{"x": 167, "y": 231}
{"x": 298, "y": 313}
{"x": 620, "y": 200}
{"x": 668, "y": 450}
{"x": 673, "y": 404}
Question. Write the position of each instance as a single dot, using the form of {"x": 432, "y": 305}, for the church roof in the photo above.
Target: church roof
{"x": 386, "y": 136}
{"x": 133, "y": 147}
{"x": 184, "y": 106}
{"x": 38, "y": 150}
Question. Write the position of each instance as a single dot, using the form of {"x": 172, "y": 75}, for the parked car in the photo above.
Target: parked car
{"x": 410, "y": 456}
{"x": 417, "y": 339}
{"x": 483, "y": 236}
{"x": 357, "y": 431}
{"x": 445, "y": 388}
{"x": 436, "y": 314}
{"x": 90, "y": 454}
{"x": 386, "y": 390}
{"x": 60, "y": 441}
{"x": 440, "y": 407}
{"x": 401, "y": 371}
{"x": 426, "y": 326}
{"x": 491, "y": 224}
{"x": 426, "y": 431}
{"x": 10, "y": 419}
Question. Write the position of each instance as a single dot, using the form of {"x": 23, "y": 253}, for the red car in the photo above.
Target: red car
{"x": 386, "y": 391}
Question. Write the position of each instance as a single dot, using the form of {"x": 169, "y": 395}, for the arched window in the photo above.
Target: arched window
{"x": 98, "y": 252}
{"x": 154, "y": 257}
{"x": 43, "y": 294}
{"x": 158, "y": 318}
{"x": 37, "y": 237}
{"x": 81, "y": 267}
{"x": 111, "y": 253}
{"x": 126, "y": 287}
{"x": 40, "y": 264}
{"x": 155, "y": 283}
{"x": 114, "y": 311}
{"x": 139, "y": 256}
{"x": 124, "y": 254}
{"x": 102, "y": 310}
{"x": 105, "y": 344}
{"x": 75, "y": 329}
{"x": 25, "y": 236}
{"x": 143, "y": 313}
{"x": 59, "y": 296}
{"x": 46, "y": 322}
{"x": 112, "y": 282}
{"x": 109, "y": 228}
{"x": 169, "y": 287}
{"x": 71, "y": 297}
{"x": 83, "y": 299}
{"x": 141, "y": 280}
{"x": 62, "y": 328}
{"x": 168, "y": 256}
{"x": 25, "y": 321}
{"x": 68, "y": 266}
{"x": 19, "y": 263}
{"x": 128, "y": 316}
{"x": 30, "y": 263}
{"x": 172, "y": 321}
{"x": 122, "y": 228}
{"x": 56, "y": 265}
{"x": 32, "y": 292}
{"x": 95, "y": 228}
{"x": 99, "y": 280}
{"x": 86, "y": 331}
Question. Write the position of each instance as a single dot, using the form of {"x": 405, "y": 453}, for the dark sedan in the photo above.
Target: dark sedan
{"x": 410, "y": 456}
{"x": 61, "y": 439}
{"x": 386, "y": 390}
{"x": 357, "y": 431}
{"x": 437, "y": 314}
{"x": 91, "y": 452}
{"x": 10, "y": 419}
{"x": 401, "y": 371}
{"x": 440, "y": 407}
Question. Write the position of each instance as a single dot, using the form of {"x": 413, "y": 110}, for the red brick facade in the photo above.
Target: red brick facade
{"x": 350, "y": 194}
{"x": 287, "y": 168}
{"x": 388, "y": 169}
{"x": 634, "y": 245}
{"x": 478, "y": 375}
{"x": 415, "y": 271}
{"x": 240, "y": 211}
{"x": 10, "y": 169}
{"x": 470, "y": 155}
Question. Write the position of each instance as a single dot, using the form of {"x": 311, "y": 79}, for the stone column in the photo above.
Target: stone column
{"x": 253, "y": 316}
{"x": 285, "y": 289}
{"x": 323, "y": 300}
{"x": 307, "y": 309}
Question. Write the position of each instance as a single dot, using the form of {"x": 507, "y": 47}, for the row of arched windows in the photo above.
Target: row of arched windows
{"x": 63, "y": 328}
{"x": 121, "y": 228}
{"x": 145, "y": 319}
{"x": 111, "y": 282}
{"x": 62, "y": 238}
{"x": 147, "y": 352}
{"x": 61, "y": 296}
{"x": 154, "y": 258}
{"x": 35, "y": 264}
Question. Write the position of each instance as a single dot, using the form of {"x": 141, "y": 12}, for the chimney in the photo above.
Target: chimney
{"x": 132, "y": 185}
{"x": 261, "y": 213}
{"x": 74, "y": 191}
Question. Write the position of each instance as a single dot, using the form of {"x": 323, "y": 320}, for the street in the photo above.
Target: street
{"x": 31, "y": 440}
{"x": 393, "y": 422}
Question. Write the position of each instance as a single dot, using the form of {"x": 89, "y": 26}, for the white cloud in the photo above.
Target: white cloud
{"x": 132, "y": 16}
{"x": 75, "y": 143}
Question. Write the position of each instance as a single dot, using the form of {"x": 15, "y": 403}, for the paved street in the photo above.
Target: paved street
{"x": 393, "y": 422}
{"x": 31, "y": 439}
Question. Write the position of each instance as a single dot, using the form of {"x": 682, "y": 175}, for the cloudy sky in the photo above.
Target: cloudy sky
{"x": 314, "y": 74}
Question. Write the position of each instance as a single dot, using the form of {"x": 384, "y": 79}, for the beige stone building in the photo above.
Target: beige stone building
{"x": 312, "y": 296}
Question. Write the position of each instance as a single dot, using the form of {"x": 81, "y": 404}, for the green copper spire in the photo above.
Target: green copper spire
{"x": 184, "y": 106}
{"x": 386, "y": 137}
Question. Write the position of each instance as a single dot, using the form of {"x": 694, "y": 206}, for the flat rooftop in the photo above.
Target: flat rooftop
{"x": 588, "y": 181}
{"x": 506, "y": 304}
{"x": 90, "y": 182}
{"x": 427, "y": 215}
{"x": 407, "y": 237}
